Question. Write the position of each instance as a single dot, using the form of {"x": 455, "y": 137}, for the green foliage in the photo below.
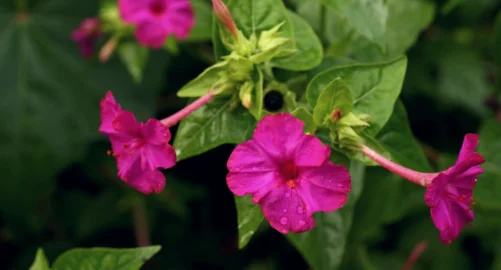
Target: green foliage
{"x": 249, "y": 218}
{"x": 134, "y": 58}
{"x": 210, "y": 126}
{"x": 308, "y": 53}
{"x": 367, "y": 17}
{"x": 51, "y": 96}
{"x": 105, "y": 258}
{"x": 335, "y": 96}
{"x": 374, "y": 88}
{"x": 489, "y": 184}
{"x": 40, "y": 262}
{"x": 59, "y": 189}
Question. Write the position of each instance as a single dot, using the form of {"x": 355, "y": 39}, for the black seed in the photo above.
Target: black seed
{"x": 273, "y": 101}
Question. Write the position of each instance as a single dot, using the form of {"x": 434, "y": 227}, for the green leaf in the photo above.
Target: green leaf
{"x": 135, "y": 57}
{"x": 249, "y": 216}
{"x": 450, "y": 5}
{"x": 104, "y": 258}
{"x": 497, "y": 40}
{"x": 40, "y": 262}
{"x": 398, "y": 37}
{"x": 52, "y": 95}
{"x": 202, "y": 30}
{"x": 374, "y": 88}
{"x": 488, "y": 186}
{"x": 309, "y": 50}
{"x": 256, "y": 107}
{"x": 212, "y": 125}
{"x": 253, "y": 17}
{"x": 462, "y": 70}
{"x": 307, "y": 118}
{"x": 323, "y": 246}
{"x": 202, "y": 84}
{"x": 336, "y": 95}
{"x": 367, "y": 17}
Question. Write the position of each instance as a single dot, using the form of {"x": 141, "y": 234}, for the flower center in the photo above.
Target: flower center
{"x": 158, "y": 7}
{"x": 289, "y": 173}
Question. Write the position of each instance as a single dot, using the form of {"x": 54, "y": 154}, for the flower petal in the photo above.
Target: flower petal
{"x": 155, "y": 133}
{"x": 250, "y": 157}
{"x": 151, "y": 34}
{"x": 460, "y": 215}
{"x": 125, "y": 122}
{"x": 470, "y": 143}
{"x": 310, "y": 152}
{"x": 325, "y": 188}
{"x": 133, "y": 10}
{"x": 435, "y": 191}
{"x": 286, "y": 212}
{"x": 109, "y": 110}
{"x": 278, "y": 135}
{"x": 255, "y": 183}
{"x": 146, "y": 181}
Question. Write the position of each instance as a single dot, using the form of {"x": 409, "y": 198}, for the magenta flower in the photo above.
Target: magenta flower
{"x": 155, "y": 20}
{"x": 450, "y": 193}
{"x": 288, "y": 173}
{"x": 86, "y": 36}
{"x": 140, "y": 149}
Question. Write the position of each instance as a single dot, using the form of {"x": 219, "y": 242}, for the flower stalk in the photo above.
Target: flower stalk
{"x": 175, "y": 118}
{"x": 419, "y": 178}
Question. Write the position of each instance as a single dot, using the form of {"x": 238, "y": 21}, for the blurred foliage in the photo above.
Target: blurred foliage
{"x": 59, "y": 190}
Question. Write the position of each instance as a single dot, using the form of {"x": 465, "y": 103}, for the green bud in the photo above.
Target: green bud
{"x": 238, "y": 68}
{"x": 351, "y": 120}
{"x": 348, "y": 138}
{"x": 270, "y": 45}
{"x": 245, "y": 93}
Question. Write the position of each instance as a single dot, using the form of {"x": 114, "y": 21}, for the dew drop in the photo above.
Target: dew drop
{"x": 330, "y": 180}
{"x": 300, "y": 209}
{"x": 302, "y": 222}
{"x": 284, "y": 220}
{"x": 284, "y": 210}
{"x": 287, "y": 194}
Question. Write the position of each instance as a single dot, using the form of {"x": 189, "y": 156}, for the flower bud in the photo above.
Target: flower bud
{"x": 335, "y": 115}
{"x": 239, "y": 68}
{"x": 224, "y": 15}
{"x": 246, "y": 93}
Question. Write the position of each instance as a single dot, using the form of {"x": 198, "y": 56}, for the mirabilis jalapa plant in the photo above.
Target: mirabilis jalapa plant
{"x": 286, "y": 163}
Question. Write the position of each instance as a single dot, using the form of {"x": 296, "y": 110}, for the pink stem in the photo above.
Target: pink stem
{"x": 175, "y": 118}
{"x": 422, "y": 179}
{"x": 414, "y": 256}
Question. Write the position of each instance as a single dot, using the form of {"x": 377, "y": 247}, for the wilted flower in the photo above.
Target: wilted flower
{"x": 155, "y": 20}
{"x": 86, "y": 36}
{"x": 288, "y": 173}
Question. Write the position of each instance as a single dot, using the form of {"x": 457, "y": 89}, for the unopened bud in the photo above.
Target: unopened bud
{"x": 335, "y": 115}
{"x": 246, "y": 94}
{"x": 108, "y": 49}
{"x": 224, "y": 15}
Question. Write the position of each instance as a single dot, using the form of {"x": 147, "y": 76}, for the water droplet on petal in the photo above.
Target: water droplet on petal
{"x": 300, "y": 209}
{"x": 330, "y": 180}
{"x": 302, "y": 222}
{"x": 284, "y": 220}
{"x": 287, "y": 194}
{"x": 284, "y": 210}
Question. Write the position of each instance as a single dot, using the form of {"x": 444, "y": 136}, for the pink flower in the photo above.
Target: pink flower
{"x": 140, "y": 149}
{"x": 288, "y": 173}
{"x": 155, "y": 20}
{"x": 86, "y": 35}
{"x": 450, "y": 193}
